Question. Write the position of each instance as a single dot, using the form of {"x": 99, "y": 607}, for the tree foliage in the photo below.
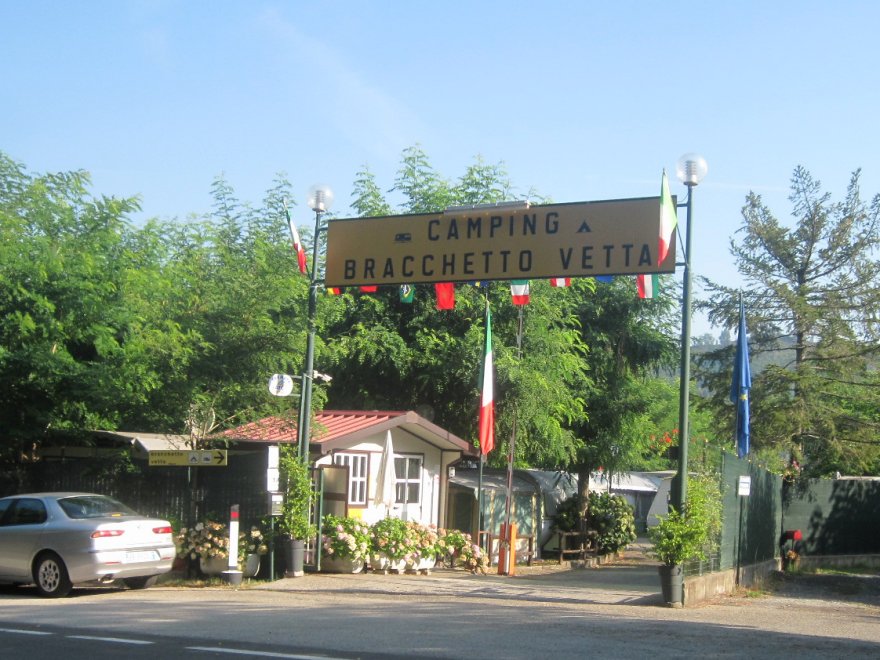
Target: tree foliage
{"x": 104, "y": 325}
{"x": 812, "y": 299}
{"x": 176, "y": 326}
{"x": 413, "y": 356}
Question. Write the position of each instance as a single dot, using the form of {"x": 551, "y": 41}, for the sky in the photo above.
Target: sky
{"x": 578, "y": 100}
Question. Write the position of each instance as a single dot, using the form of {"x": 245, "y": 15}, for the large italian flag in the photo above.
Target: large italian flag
{"x": 487, "y": 400}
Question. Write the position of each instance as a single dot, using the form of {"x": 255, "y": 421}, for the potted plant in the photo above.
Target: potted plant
{"x": 675, "y": 542}
{"x": 345, "y": 544}
{"x": 251, "y": 546}
{"x": 426, "y": 550}
{"x": 686, "y": 536}
{"x": 458, "y": 548}
{"x": 294, "y": 524}
{"x": 392, "y": 544}
{"x": 208, "y": 543}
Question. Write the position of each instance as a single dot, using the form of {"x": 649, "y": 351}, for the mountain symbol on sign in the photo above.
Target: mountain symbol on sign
{"x": 585, "y": 228}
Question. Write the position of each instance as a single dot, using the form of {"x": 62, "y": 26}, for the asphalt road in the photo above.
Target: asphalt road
{"x": 450, "y": 615}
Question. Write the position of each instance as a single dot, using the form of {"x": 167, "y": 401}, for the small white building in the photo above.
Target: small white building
{"x": 351, "y": 443}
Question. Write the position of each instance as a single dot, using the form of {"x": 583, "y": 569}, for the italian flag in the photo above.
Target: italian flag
{"x": 560, "y": 281}
{"x": 668, "y": 220}
{"x": 487, "y": 400}
{"x": 297, "y": 243}
{"x": 648, "y": 285}
{"x": 519, "y": 289}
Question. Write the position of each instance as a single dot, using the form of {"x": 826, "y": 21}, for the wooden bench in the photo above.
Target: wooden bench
{"x": 576, "y": 544}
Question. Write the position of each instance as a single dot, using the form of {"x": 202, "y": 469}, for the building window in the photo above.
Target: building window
{"x": 357, "y": 476}
{"x": 408, "y": 487}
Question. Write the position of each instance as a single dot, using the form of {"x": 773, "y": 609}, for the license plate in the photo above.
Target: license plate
{"x": 135, "y": 557}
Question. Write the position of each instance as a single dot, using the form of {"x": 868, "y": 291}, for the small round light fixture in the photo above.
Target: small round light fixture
{"x": 320, "y": 198}
{"x": 691, "y": 169}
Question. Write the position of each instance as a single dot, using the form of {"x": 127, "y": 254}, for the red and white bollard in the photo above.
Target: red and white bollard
{"x": 232, "y": 575}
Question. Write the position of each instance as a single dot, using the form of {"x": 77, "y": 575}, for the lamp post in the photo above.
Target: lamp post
{"x": 319, "y": 200}
{"x": 691, "y": 169}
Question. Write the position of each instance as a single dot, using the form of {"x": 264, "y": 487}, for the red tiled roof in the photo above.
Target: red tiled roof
{"x": 333, "y": 425}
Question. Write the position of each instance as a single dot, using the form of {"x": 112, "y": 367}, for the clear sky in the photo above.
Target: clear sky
{"x": 580, "y": 100}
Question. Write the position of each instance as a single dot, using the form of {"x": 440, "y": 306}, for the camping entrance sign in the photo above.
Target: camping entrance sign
{"x": 501, "y": 242}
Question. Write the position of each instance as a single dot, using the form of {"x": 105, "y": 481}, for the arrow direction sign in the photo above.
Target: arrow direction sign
{"x": 200, "y": 457}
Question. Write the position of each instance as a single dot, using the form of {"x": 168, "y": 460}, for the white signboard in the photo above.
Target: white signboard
{"x": 280, "y": 385}
{"x": 272, "y": 479}
{"x": 745, "y": 486}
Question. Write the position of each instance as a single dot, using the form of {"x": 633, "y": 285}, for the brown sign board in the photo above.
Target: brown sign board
{"x": 581, "y": 239}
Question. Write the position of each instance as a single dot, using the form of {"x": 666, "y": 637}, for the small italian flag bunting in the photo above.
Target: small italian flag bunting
{"x": 519, "y": 289}
{"x": 668, "y": 220}
{"x": 648, "y": 285}
{"x": 560, "y": 281}
{"x": 297, "y": 243}
{"x": 487, "y": 398}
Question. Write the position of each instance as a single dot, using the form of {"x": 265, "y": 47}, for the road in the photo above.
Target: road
{"x": 487, "y": 622}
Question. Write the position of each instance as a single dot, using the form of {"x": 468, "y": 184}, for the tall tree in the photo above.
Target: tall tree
{"x": 64, "y": 262}
{"x": 413, "y": 356}
{"x": 812, "y": 298}
{"x": 629, "y": 339}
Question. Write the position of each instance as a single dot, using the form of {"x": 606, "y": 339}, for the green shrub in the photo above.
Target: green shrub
{"x": 681, "y": 537}
{"x": 610, "y": 518}
{"x": 567, "y": 516}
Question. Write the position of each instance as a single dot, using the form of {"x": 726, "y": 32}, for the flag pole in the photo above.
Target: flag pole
{"x": 510, "y": 456}
{"x": 483, "y": 449}
{"x": 481, "y": 540}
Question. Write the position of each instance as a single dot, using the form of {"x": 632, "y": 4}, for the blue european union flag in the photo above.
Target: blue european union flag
{"x": 742, "y": 383}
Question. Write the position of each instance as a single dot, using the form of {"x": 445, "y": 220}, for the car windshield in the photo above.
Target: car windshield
{"x": 94, "y": 506}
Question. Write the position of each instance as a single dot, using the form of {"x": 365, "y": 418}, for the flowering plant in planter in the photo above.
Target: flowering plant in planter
{"x": 457, "y": 547}
{"x": 204, "y": 540}
{"x": 394, "y": 538}
{"x": 425, "y": 540}
{"x": 209, "y": 539}
{"x": 345, "y": 538}
{"x": 252, "y": 542}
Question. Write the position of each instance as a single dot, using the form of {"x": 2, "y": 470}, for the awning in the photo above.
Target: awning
{"x": 471, "y": 479}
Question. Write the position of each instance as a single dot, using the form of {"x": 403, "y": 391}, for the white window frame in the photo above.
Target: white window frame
{"x": 358, "y": 465}
{"x": 405, "y": 480}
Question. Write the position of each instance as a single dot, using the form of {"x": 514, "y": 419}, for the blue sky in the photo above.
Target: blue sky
{"x": 579, "y": 100}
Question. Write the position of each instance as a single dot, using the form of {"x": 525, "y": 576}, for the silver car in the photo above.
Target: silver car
{"x": 56, "y": 540}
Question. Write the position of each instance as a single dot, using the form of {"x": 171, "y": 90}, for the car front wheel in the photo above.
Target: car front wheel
{"x": 50, "y": 576}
